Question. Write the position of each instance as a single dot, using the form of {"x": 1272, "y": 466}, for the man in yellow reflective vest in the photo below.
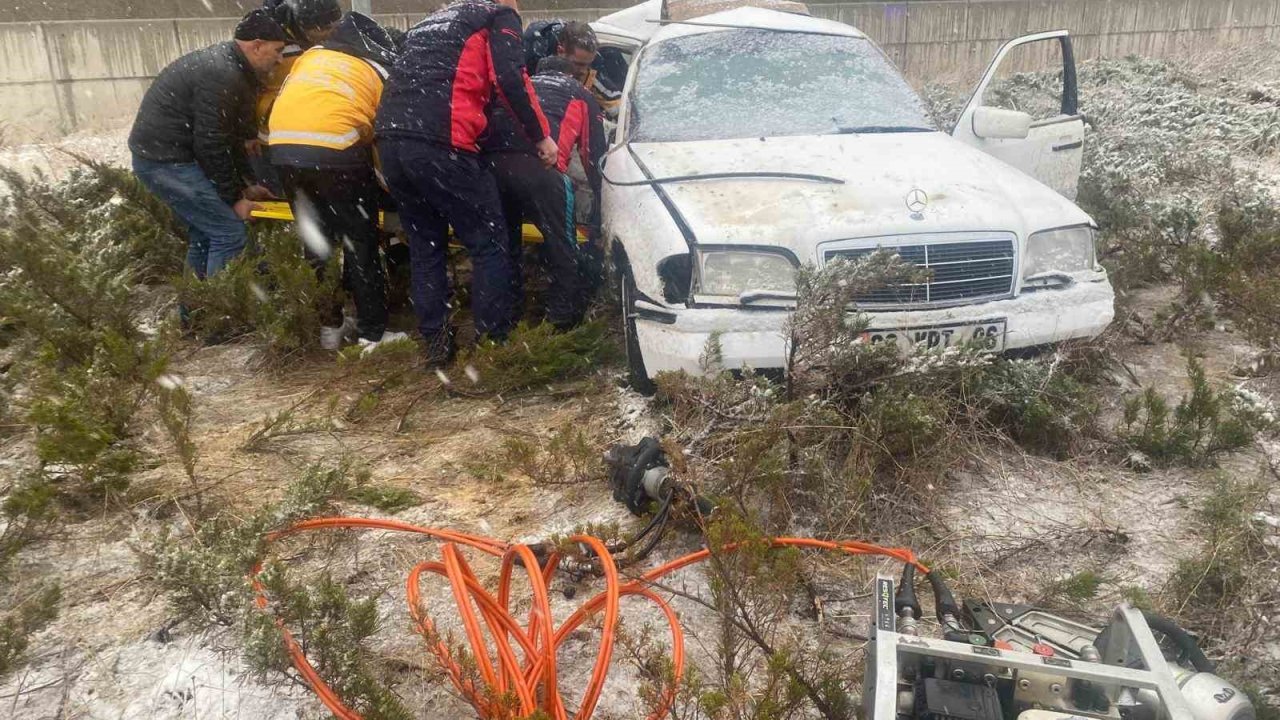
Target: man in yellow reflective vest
{"x": 305, "y": 23}
{"x": 321, "y": 141}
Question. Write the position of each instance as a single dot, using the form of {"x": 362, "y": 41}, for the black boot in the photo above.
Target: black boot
{"x": 441, "y": 349}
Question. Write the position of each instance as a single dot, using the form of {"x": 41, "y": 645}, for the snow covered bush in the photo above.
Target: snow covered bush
{"x": 84, "y": 361}
{"x": 857, "y": 426}
{"x": 27, "y": 618}
{"x": 206, "y": 577}
{"x": 1243, "y": 268}
{"x": 534, "y": 356}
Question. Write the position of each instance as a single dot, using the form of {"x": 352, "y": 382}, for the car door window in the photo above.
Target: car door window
{"x": 1025, "y": 111}
{"x": 1030, "y": 79}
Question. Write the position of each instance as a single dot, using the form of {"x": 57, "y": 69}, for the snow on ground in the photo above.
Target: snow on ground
{"x": 51, "y": 160}
{"x": 188, "y": 677}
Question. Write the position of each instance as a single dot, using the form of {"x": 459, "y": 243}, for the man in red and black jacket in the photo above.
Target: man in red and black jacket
{"x": 429, "y": 123}
{"x": 545, "y": 195}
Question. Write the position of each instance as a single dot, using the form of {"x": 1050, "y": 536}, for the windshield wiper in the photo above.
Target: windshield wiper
{"x": 873, "y": 129}
{"x": 746, "y": 297}
{"x": 804, "y": 177}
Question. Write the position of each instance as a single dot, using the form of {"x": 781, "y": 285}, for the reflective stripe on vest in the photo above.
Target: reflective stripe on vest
{"x": 342, "y": 140}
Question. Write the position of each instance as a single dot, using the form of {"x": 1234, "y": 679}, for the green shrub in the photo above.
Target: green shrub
{"x": 380, "y": 372}
{"x": 862, "y": 423}
{"x": 825, "y": 352}
{"x": 70, "y": 294}
{"x": 536, "y": 356}
{"x": 1038, "y": 403}
{"x": 335, "y": 632}
{"x": 205, "y": 574}
{"x": 1242, "y": 268}
{"x": 132, "y": 218}
{"x": 1204, "y": 423}
{"x": 1078, "y": 588}
{"x": 269, "y": 292}
{"x": 113, "y": 207}
{"x": 177, "y": 415}
{"x": 569, "y": 457}
{"x": 1221, "y": 573}
{"x": 30, "y": 506}
{"x": 385, "y": 497}
{"x": 29, "y": 617}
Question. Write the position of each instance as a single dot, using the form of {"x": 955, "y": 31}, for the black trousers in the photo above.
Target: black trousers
{"x": 437, "y": 188}
{"x": 544, "y": 196}
{"x": 344, "y": 203}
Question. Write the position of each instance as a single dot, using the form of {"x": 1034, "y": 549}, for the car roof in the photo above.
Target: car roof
{"x": 756, "y": 18}
{"x": 641, "y": 22}
{"x": 633, "y": 22}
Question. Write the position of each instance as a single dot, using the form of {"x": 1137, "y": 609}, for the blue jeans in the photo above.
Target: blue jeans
{"x": 214, "y": 234}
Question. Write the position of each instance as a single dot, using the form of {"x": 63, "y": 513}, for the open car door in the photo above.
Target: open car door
{"x": 1034, "y": 127}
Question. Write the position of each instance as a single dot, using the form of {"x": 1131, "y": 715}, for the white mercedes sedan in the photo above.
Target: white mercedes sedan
{"x": 751, "y": 142}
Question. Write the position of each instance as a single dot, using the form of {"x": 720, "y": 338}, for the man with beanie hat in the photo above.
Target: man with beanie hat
{"x": 188, "y": 138}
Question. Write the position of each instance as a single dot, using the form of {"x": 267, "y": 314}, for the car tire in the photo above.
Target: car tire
{"x": 637, "y": 376}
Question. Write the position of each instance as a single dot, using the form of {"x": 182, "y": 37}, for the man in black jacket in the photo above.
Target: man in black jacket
{"x": 603, "y": 71}
{"x": 188, "y": 140}
{"x": 431, "y": 116}
{"x": 545, "y": 195}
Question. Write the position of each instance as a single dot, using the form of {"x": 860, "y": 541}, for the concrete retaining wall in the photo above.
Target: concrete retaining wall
{"x": 61, "y": 77}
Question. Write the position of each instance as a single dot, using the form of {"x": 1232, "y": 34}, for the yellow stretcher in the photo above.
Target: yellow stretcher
{"x": 279, "y": 210}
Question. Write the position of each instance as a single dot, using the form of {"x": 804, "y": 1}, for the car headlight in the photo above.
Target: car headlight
{"x": 1065, "y": 250}
{"x": 733, "y": 272}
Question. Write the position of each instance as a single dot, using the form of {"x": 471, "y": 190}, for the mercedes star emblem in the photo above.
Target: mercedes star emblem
{"x": 917, "y": 201}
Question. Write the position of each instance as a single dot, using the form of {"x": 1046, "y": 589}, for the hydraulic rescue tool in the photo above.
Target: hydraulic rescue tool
{"x": 999, "y": 661}
{"x": 996, "y": 661}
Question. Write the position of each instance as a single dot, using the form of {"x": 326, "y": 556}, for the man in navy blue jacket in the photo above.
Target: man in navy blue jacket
{"x": 429, "y": 122}
{"x": 545, "y": 195}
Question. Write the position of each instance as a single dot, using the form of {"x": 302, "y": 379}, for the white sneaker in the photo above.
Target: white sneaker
{"x": 333, "y": 338}
{"x": 368, "y": 346}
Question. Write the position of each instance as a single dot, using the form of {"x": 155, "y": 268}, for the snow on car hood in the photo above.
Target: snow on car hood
{"x": 967, "y": 189}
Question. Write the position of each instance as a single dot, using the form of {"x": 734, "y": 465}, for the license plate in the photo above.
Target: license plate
{"x": 987, "y": 336}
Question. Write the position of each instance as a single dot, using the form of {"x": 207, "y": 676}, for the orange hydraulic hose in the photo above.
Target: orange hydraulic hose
{"x": 514, "y": 689}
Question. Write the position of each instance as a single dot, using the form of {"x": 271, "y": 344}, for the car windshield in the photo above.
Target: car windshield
{"x": 745, "y": 83}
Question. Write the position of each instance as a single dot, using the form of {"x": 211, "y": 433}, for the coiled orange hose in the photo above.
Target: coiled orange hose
{"x": 489, "y": 621}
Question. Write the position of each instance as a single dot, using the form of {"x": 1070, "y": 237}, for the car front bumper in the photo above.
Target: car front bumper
{"x": 756, "y": 337}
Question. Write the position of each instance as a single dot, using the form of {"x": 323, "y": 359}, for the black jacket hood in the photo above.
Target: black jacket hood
{"x": 361, "y": 36}
{"x": 283, "y": 14}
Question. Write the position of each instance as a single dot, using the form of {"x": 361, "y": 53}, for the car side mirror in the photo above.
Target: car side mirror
{"x": 992, "y": 123}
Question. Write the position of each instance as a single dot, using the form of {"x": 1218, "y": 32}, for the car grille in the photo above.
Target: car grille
{"x": 961, "y": 272}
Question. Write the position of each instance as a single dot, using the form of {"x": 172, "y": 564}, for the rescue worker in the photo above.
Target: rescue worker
{"x": 603, "y": 71}
{"x": 305, "y": 23}
{"x": 321, "y": 142}
{"x": 545, "y": 195}
{"x": 188, "y": 139}
{"x": 431, "y": 117}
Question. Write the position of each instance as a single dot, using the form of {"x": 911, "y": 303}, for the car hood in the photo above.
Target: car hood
{"x": 967, "y": 190}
